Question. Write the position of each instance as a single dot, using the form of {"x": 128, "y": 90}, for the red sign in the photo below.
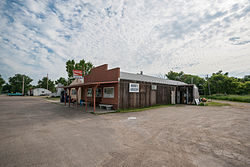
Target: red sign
{"x": 77, "y": 73}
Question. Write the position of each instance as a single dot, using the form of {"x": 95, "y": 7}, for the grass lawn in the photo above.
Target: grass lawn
{"x": 239, "y": 98}
{"x": 214, "y": 104}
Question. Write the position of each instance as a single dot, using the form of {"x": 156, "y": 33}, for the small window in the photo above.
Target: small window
{"x": 154, "y": 87}
{"x": 73, "y": 92}
{"x": 42, "y": 91}
{"x": 89, "y": 92}
{"x": 108, "y": 92}
{"x": 98, "y": 92}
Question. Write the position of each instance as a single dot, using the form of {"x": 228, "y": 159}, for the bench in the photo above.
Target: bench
{"x": 107, "y": 106}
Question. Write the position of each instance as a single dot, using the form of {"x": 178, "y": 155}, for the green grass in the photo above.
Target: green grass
{"x": 239, "y": 98}
{"x": 214, "y": 104}
{"x": 143, "y": 109}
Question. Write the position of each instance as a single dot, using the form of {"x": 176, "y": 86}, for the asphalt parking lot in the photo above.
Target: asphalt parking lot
{"x": 34, "y": 132}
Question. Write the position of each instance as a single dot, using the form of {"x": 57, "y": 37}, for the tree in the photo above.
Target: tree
{"x": 223, "y": 84}
{"x": 247, "y": 87}
{"x": 6, "y": 88}
{"x": 174, "y": 75}
{"x": 43, "y": 84}
{"x": 1, "y": 83}
{"x": 187, "y": 78}
{"x": 194, "y": 79}
{"x": 246, "y": 78}
{"x": 62, "y": 81}
{"x": 16, "y": 83}
{"x": 82, "y": 65}
{"x": 70, "y": 65}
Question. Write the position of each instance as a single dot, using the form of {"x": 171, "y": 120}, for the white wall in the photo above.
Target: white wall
{"x": 40, "y": 92}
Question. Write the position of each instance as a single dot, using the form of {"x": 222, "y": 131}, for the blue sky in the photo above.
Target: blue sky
{"x": 198, "y": 37}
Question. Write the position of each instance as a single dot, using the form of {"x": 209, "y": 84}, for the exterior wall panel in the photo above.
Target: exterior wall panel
{"x": 145, "y": 97}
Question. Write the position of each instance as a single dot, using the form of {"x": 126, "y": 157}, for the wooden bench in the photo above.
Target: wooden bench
{"x": 107, "y": 106}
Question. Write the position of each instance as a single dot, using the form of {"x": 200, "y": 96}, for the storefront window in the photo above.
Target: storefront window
{"x": 89, "y": 92}
{"x": 73, "y": 92}
{"x": 98, "y": 92}
{"x": 108, "y": 92}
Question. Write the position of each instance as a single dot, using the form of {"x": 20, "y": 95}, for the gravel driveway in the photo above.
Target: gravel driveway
{"x": 34, "y": 132}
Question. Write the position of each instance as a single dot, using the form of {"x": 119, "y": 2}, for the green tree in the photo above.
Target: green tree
{"x": 82, "y": 65}
{"x": 70, "y": 65}
{"x": 6, "y": 88}
{"x": 174, "y": 75}
{"x": 247, "y": 87}
{"x": 62, "y": 81}
{"x": 16, "y": 83}
{"x": 187, "y": 78}
{"x": 246, "y": 78}
{"x": 194, "y": 79}
{"x": 43, "y": 84}
{"x": 223, "y": 84}
{"x": 1, "y": 83}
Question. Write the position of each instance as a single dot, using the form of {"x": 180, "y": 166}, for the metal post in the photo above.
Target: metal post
{"x": 65, "y": 96}
{"x": 208, "y": 84}
{"x": 76, "y": 95}
{"x": 94, "y": 96}
{"x": 69, "y": 97}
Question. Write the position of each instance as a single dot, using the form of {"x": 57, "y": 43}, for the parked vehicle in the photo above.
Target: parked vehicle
{"x": 15, "y": 94}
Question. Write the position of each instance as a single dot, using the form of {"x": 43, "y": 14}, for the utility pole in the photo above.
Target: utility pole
{"x": 192, "y": 80}
{"x": 208, "y": 84}
{"x": 47, "y": 82}
{"x": 23, "y": 86}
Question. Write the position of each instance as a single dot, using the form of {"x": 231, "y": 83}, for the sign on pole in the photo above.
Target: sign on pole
{"x": 77, "y": 74}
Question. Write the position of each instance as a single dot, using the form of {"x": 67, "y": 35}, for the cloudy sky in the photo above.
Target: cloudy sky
{"x": 196, "y": 36}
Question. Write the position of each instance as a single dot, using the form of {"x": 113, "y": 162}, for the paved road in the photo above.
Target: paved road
{"x": 34, "y": 132}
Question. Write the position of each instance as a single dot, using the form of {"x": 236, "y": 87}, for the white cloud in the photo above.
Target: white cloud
{"x": 197, "y": 37}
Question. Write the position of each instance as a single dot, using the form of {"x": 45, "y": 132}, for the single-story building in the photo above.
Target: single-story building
{"x": 123, "y": 90}
{"x": 39, "y": 92}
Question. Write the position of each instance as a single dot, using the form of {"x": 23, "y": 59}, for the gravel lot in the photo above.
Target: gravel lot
{"x": 34, "y": 132}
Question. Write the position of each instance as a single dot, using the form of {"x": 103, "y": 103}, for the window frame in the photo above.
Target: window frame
{"x": 88, "y": 92}
{"x": 105, "y": 95}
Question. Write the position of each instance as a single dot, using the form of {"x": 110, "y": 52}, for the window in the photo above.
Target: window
{"x": 89, "y": 92}
{"x": 98, "y": 92}
{"x": 154, "y": 87}
{"x": 108, "y": 92}
{"x": 133, "y": 87}
{"x": 73, "y": 92}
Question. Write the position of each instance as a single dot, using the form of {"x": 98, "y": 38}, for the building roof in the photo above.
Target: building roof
{"x": 146, "y": 78}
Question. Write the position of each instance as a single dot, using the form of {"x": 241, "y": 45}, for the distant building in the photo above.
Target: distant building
{"x": 40, "y": 92}
{"x": 58, "y": 92}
